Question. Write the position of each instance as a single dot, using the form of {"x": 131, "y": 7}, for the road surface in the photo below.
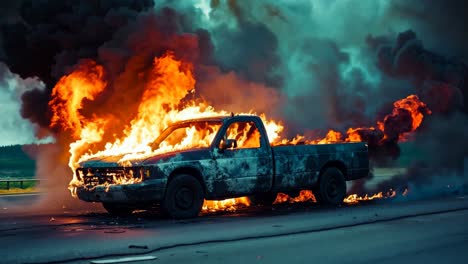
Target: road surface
{"x": 383, "y": 231}
{"x": 433, "y": 238}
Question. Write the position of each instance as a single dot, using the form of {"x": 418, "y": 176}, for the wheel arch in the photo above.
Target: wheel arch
{"x": 340, "y": 165}
{"x": 190, "y": 171}
{"x": 321, "y": 191}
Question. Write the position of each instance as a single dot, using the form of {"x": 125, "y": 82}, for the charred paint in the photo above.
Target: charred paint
{"x": 298, "y": 167}
{"x": 238, "y": 170}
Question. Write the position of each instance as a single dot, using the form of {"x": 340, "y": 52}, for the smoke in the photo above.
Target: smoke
{"x": 440, "y": 25}
{"x": 445, "y": 158}
{"x": 13, "y": 128}
{"x": 442, "y": 81}
{"x": 222, "y": 90}
{"x": 315, "y": 65}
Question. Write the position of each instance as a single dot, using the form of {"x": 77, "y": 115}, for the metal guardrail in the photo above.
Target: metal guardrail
{"x": 20, "y": 181}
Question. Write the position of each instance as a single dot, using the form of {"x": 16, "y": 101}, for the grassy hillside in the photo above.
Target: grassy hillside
{"x": 15, "y": 163}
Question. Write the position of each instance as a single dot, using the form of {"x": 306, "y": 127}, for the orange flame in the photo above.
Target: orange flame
{"x": 229, "y": 205}
{"x": 307, "y": 195}
{"x": 304, "y": 196}
{"x": 353, "y": 135}
{"x": 411, "y": 103}
{"x": 331, "y": 137}
{"x": 70, "y": 91}
{"x": 414, "y": 106}
{"x": 354, "y": 198}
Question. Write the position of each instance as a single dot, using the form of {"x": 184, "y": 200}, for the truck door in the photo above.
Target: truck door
{"x": 245, "y": 166}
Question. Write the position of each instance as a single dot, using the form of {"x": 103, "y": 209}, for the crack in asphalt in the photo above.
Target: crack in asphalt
{"x": 280, "y": 234}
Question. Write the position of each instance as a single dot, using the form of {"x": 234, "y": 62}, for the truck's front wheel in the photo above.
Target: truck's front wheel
{"x": 331, "y": 189}
{"x": 184, "y": 197}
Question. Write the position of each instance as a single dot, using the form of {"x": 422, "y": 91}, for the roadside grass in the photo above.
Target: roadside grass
{"x": 18, "y": 191}
{"x": 28, "y": 187}
{"x": 16, "y": 164}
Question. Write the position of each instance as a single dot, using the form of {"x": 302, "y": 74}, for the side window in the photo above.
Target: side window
{"x": 245, "y": 134}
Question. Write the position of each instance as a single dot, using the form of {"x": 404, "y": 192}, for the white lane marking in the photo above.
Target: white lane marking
{"x": 121, "y": 260}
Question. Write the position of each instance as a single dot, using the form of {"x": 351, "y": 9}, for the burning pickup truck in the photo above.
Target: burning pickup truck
{"x": 233, "y": 158}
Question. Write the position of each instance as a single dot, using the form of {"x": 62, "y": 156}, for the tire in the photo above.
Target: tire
{"x": 331, "y": 190}
{"x": 263, "y": 198}
{"x": 118, "y": 209}
{"x": 184, "y": 197}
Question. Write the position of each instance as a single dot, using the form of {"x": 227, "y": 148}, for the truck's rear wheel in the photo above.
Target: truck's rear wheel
{"x": 331, "y": 189}
{"x": 184, "y": 197}
{"x": 118, "y": 209}
{"x": 263, "y": 198}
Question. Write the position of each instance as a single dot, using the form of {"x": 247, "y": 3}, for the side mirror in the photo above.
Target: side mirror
{"x": 227, "y": 144}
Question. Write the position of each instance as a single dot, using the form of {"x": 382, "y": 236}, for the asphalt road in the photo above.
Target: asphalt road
{"x": 434, "y": 238}
{"x": 383, "y": 231}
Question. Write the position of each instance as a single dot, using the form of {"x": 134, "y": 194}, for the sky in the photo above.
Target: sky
{"x": 14, "y": 129}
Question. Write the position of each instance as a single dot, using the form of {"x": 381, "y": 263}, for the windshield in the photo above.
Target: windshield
{"x": 188, "y": 135}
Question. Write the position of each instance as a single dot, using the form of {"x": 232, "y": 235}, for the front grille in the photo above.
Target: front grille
{"x": 99, "y": 176}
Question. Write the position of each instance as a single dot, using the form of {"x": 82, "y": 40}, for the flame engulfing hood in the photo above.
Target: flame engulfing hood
{"x": 116, "y": 161}
{"x": 103, "y": 162}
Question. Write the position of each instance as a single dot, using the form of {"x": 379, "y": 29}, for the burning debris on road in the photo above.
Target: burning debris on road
{"x": 116, "y": 75}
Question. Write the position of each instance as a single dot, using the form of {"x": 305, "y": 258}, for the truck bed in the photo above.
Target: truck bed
{"x": 299, "y": 166}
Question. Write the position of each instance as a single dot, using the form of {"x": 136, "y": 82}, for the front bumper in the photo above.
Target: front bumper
{"x": 147, "y": 191}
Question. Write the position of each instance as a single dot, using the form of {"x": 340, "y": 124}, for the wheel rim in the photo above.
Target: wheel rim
{"x": 332, "y": 188}
{"x": 184, "y": 198}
